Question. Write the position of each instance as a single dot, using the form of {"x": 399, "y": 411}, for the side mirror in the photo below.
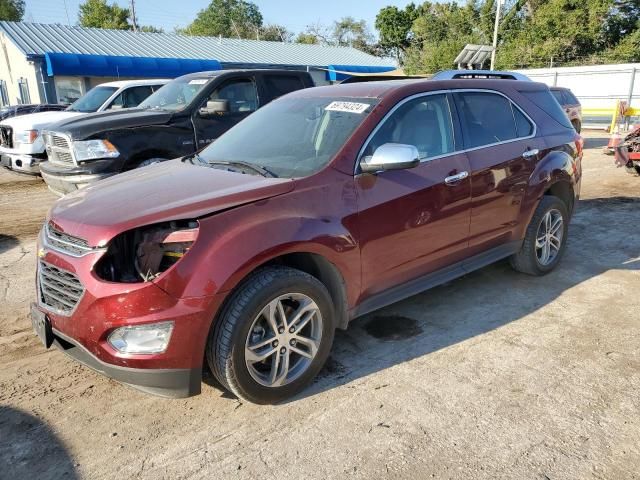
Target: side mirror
{"x": 391, "y": 156}
{"x": 214, "y": 107}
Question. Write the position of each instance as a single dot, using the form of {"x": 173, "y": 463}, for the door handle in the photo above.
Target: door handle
{"x": 530, "y": 154}
{"x": 453, "y": 179}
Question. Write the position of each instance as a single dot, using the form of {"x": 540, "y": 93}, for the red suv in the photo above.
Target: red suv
{"x": 323, "y": 206}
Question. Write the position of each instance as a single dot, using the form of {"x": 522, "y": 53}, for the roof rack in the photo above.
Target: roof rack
{"x": 487, "y": 74}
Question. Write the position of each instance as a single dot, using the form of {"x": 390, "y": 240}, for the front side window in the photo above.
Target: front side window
{"x": 93, "y": 99}
{"x": 292, "y": 137}
{"x": 486, "y": 118}
{"x": 240, "y": 93}
{"x": 131, "y": 97}
{"x": 424, "y": 122}
{"x": 175, "y": 95}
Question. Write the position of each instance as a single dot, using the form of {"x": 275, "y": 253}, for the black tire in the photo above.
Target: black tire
{"x": 526, "y": 260}
{"x": 577, "y": 125}
{"x": 225, "y": 350}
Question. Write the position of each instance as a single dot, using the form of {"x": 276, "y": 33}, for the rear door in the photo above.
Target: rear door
{"x": 242, "y": 95}
{"x": 503, "y": 150}
{"x": 413, "y": 222}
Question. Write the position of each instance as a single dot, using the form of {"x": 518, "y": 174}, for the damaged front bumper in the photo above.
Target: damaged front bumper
{"x": 63, "y": 180}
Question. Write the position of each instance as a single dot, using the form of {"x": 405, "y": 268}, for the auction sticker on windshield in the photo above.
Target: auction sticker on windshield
{"x": 352, "y": 107}
{"x": 198, "y": 81}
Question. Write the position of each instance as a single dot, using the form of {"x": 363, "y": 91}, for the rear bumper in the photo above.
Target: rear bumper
{"x": 21, "y": 163}
{"x": 170, "y": 383}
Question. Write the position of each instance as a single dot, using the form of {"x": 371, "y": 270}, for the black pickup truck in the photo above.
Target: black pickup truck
{"x": 180, "y": 118}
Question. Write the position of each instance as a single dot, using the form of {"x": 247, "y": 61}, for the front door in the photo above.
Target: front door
{"x": 415, "y": 221}
{"x": 242, "y": 95}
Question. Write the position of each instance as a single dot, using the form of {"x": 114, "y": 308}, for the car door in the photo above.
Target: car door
{"x": 242, "y": 95}
{"x": 415, "y": 221}
{"x": 502, "y": 149}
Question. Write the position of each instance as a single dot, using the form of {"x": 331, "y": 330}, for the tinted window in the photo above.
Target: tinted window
{"x": 241, "y": 94}
{"x": 571, "y": 98}
{"x": 524, "y": 127}
{"x": 292, "y": 137}
{"x": 175, "y": 95}
{"x": 557, "y": 94}
{"x": 278, "y": 85}
{"x": 486, "y": 118}
{"x": 424, "y": 122}
{"x": 131, "y": 97}
{"x": 546, "y": 102}
{"x": 93, "y": 99}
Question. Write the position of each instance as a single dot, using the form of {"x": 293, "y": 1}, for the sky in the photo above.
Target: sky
{"x": 168, "y": 14}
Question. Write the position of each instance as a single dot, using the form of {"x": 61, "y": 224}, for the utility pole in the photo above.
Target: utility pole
{"x": 495, "y": 34}
{"x": 133, "y": 16}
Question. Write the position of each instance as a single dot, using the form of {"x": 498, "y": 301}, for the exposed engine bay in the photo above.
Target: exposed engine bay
{"x": 627, "y": 151}
{"x": 142, "y": 254}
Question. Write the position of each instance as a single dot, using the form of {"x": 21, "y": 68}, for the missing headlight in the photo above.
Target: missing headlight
{"x": 142, "y": 254}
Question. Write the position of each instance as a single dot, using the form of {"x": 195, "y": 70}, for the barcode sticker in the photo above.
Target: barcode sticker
{"x": 351, "y": 107}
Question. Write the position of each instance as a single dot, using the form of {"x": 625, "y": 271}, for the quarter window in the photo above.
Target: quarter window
{"x": 524, "y": 127}
{"x": 278, "y": 85}
{"x": 424, "y": 122}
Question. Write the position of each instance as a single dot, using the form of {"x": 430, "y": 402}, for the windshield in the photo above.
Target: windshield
{"x": 291, "y": 137}
{"x": 92, "y": 100}
{"x": 175, "y": 95}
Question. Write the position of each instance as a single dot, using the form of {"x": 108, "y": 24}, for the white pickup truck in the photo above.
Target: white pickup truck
{"x": 21, "y": 145}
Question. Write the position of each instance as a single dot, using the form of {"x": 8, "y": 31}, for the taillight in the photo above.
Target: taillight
{"x": 579, "y": 141}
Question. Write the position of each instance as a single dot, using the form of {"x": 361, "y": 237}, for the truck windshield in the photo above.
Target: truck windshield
{"x": 291, "y": 137}
{"x": 175, "y": 95}
{"x": 92, "y": 100}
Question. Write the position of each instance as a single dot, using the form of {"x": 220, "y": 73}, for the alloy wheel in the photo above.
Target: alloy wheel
{"x": 549, "y": 237}
{"x": 283, "y": 340}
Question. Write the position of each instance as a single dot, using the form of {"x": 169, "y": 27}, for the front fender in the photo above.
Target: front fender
{"x": 232, "y": 244}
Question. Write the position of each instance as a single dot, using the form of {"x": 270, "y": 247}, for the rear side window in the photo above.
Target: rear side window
{"x": 547, "y": 103}
{"x": 571, "y": 98}
{"x": 557, "y": 94}
{"x": 424, "y": 122}
{"x": 486, "y": 118}
{"x": 278, "y": 85}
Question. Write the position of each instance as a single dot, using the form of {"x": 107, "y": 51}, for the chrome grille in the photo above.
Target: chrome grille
{"x": 59, "y": 290}
{"x": 6, "y": 138}
{"x": 58, "y": 149}
{"x": 65, "y": 243}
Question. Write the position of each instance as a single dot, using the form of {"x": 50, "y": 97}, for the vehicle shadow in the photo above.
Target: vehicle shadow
{"x": 596, "y": 142}
{"x": 29, "y": 449}
{"x": 483, "y": 300}
{"x": 7, "y": 242}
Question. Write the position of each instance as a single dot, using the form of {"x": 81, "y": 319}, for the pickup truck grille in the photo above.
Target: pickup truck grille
{"x": 58, "y": 149}
{"x": 6, "y": 137}
{"x": 59, "y": 290}
{"x": 74, "y": 246}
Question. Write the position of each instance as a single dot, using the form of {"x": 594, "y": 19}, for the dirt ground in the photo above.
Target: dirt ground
{"x": 495, "y": 375}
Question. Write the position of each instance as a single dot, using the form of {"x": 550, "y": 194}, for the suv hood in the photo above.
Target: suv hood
{"x": 171, "y": 190}
{"x": 100, "y": 122}
{"x": 38, "y": 121}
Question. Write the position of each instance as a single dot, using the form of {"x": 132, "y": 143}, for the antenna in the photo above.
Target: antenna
{"x": 66, "y": 11}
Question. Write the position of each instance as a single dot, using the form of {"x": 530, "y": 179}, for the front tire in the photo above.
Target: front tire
{"x": 273, "y": 335}
{"x": 545, "y": 239}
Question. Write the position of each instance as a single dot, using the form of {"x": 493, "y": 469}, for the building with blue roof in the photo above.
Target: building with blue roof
{"x": 47, "y": 63}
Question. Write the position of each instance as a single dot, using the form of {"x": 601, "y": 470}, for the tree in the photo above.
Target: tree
{"x": 394, "y": 26}
{"x": 307, "y": 38}
{"x": 151, "y": 29}
{"x": 275, "y": 33}
{"x": 346, "y": 32}
{"x": 229, "y": 18}
{"x": 11, "y": 10}
{"x": 99, "y": 14}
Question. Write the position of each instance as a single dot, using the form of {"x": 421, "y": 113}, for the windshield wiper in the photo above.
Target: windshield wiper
{"x": 194, "y": 156}
{"x": 256, "y": 168}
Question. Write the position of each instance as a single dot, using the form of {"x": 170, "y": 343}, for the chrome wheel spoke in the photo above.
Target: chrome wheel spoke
{"x": 549, "y": 237}
{"x": 279, "y": 375}
{"x": 271, "y": 312}
{"x": 556, "y": 226}
{"x": 555, "y": 242}
{"x": 311, "y": 344}
{"x": 301, "y": 352}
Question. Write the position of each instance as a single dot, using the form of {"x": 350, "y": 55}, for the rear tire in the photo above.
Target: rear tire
{"x": 257, "y": 349}
{"x": 545, "y": 239}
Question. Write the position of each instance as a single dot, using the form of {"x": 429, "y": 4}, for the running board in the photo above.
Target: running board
{"x": 433, "y": 279}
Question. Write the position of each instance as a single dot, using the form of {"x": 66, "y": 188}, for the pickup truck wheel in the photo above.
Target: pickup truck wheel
{"x": 273, "y": 335}
{"x": 545, "y": 239}
{"x": 150, "y": 161}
